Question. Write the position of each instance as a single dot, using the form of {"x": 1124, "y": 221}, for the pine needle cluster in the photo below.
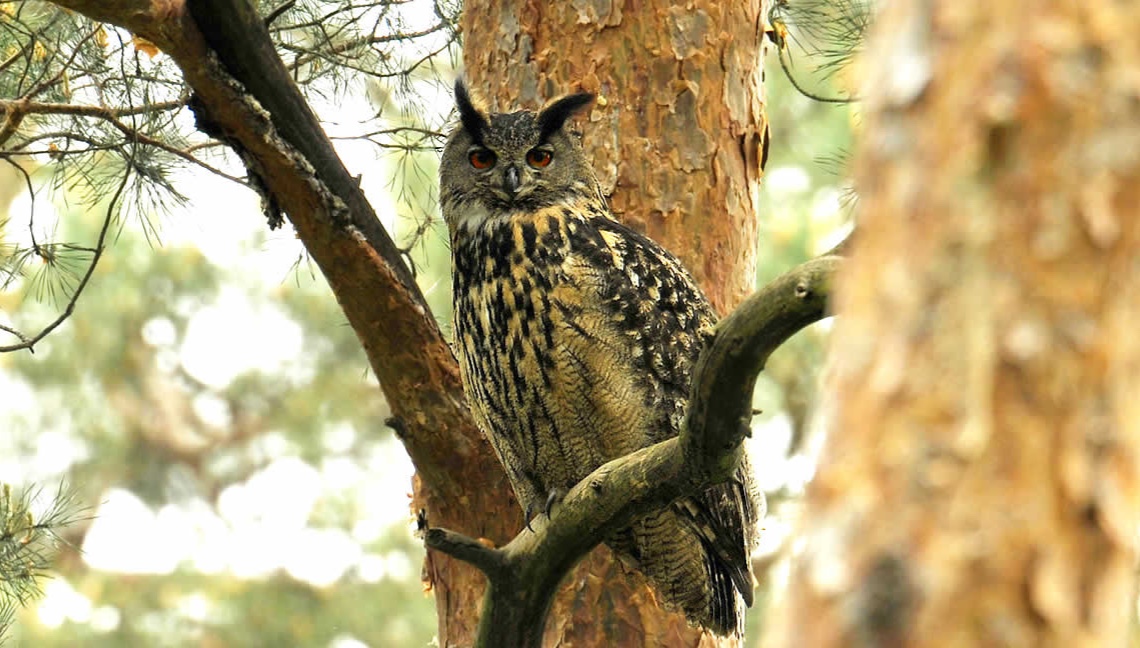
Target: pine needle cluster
{"x": 87, "y": 108}
{"x": 27, "y": 544}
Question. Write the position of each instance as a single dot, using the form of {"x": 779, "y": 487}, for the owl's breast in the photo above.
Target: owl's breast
{"x": 551, "y": 373}
{"x": 506, "y": 333}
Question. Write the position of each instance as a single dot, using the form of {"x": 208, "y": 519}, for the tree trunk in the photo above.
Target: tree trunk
{"x": 677, "y": 137}
{"x": 679, "y": 129}
{"x": 979, "y": 486}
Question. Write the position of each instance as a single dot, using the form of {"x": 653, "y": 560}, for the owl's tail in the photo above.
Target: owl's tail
{"x": 688, "y": 575}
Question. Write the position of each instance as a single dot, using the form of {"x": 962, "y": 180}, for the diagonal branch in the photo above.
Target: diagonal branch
{"x": 457, "y": 474}
{"x": 283, "y": 143}
{"x": 524, "y": 575}
{"x": 239, "y": 37}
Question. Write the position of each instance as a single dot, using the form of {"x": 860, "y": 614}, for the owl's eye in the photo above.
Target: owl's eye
{"x": 538, "y": 158}
{"x": 481, "y": 159}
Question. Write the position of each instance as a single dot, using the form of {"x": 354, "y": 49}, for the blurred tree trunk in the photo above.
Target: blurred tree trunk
{"x": 979, "y": 486}
{"x": 677, "y": 137}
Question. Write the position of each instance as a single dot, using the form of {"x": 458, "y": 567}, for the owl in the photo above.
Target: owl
{"x": 576, "y": 337}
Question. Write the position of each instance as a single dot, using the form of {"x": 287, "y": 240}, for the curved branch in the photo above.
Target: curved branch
{"x": 524, "y": 574}
{"x": 724, "y": 376}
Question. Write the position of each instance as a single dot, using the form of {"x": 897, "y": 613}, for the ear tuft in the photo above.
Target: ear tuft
{"x": 555, "y": 115}
{"x": 474, "y": 122}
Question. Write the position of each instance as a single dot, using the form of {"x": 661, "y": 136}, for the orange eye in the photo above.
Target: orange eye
{"x": 481, "y": 159}
{"x": 538, "y": 158}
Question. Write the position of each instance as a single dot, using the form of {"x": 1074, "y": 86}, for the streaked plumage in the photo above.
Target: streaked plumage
{"x": 576, "y": 338}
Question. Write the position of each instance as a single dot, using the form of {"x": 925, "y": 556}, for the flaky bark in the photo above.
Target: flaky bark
{"x": 979, "y": 486}
{"x": 677, "y": 136}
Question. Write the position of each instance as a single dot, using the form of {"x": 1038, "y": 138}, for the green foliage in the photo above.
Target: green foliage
{"x": 28, "y": 542}
{"x": 817, "y": 40}
{"x": 132, "y": 399}
{"x": 91, "y": 105}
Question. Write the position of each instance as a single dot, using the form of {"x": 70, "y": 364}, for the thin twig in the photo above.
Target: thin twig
{"x": 96, "y": 254}
{"x": 17, "y": 109}
{"x": 307, "y": 55}
{"x": 487, "y": 559}
{"x": 85, "y": 110}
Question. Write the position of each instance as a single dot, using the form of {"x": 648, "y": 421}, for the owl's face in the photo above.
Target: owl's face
{"x": 500, "y": 164}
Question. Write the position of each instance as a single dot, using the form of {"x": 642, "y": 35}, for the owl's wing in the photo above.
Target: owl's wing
{"x": 669, "y": 316}
{"x": 654, "y": 300}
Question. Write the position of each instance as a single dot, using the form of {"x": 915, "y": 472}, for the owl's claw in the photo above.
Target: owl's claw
{"x": 528, "y": 515}
{"x": 553, "y": 497}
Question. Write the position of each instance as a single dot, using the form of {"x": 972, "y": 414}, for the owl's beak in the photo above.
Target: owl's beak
{"x": 511, "y": 180}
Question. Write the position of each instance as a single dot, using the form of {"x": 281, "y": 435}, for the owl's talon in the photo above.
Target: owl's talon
{"x": 553, "y": 497}
{"x": 528, "y": 515}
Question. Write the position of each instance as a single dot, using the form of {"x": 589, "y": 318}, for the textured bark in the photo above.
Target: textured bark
{"x": 677, "y": 136}
{"x": 980, "y": 483}
{"x": 678, "y": 132}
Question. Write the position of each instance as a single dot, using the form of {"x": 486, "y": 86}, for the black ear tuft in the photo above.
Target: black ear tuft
{"x": 556, "y": 114}
{"x": 474, "y": 122}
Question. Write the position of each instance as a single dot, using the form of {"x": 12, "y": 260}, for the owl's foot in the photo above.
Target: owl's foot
{"x": 553, "y": 497}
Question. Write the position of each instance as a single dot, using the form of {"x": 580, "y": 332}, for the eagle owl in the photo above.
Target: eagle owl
{"x": 576, "y": 337}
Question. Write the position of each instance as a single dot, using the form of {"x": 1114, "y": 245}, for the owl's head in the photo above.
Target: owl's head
{"x": 503, "y": 163}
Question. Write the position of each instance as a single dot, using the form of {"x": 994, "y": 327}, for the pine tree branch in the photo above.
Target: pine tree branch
{"x": 523, "y": 575}
{"x": 82, "y": 110}
{"x": 239, "y": 37}
{"x": 307, "y": 55}
{"x": 281, "y": 140}
{"x": 29, "y": 341}
{"x": 28, "y": 543}
{"x": 16, "y": 110}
